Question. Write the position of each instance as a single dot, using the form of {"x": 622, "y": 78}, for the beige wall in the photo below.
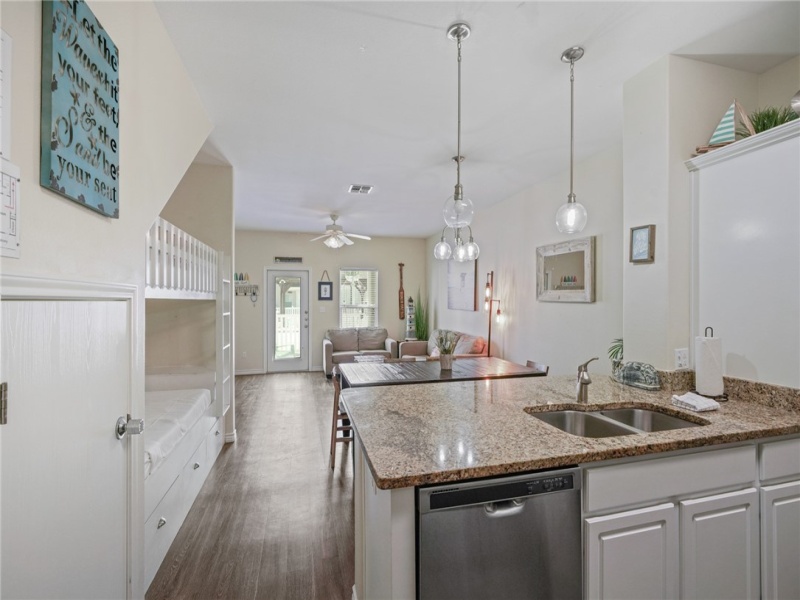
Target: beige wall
{"x": 256, "y": 251}
{"x": 670, "y": 108}
{"x": 184, "y": 332}
{"x": 777, "y": 86}
{"x": 561, "y": 335}
{"x": 162, "y": 126}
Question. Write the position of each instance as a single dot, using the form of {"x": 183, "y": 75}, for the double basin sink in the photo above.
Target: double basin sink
{"x": 613, "y": 422}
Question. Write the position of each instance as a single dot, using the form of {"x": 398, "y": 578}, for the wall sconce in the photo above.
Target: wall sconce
{"x": 487, "y": 306}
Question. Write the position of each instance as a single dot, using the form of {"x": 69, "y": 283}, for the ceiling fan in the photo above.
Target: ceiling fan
{"x": 336, "y": 238}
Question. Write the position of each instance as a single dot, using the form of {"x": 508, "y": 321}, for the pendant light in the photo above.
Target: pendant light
{"x": 458, "y": 210}
{"x": 571, "y": 217}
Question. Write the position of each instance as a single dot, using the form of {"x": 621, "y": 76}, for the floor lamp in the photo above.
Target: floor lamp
{"x": 487, "y": 306}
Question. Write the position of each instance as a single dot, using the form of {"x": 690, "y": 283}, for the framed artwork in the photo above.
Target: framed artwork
{"x": 461, "y": 277}
{"x": 80, "y": 108}
{"x": 325, "y": 290}
{"x": 565, "y": 271}
{"x": 643, "y": 244}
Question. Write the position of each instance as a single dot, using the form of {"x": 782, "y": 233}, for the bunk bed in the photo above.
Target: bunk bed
{"x": 185, "y": 405}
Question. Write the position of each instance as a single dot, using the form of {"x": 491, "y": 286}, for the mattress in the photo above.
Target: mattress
{"x": 168, "y": 416}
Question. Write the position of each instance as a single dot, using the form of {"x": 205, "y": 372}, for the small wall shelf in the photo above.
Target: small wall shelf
{"x": 246, "y": 289}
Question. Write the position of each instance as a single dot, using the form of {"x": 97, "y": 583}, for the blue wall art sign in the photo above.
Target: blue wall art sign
{"x": 80, "y": 107}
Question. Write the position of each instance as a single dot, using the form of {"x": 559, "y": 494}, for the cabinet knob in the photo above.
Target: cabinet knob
{"x": 161, "y": 522}
{"x": 196, "y": 466}
{"x": 216, "y": 432}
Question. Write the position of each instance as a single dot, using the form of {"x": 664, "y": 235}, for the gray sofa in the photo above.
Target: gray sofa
{"x": 343, "y": 345}
{"x": 466, "y": 346}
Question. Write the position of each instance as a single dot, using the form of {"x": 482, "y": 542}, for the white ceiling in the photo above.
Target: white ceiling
{"x": 309, "y": 97}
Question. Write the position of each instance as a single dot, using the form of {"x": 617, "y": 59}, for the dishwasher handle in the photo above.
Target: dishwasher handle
{"x": 504, "y": 508}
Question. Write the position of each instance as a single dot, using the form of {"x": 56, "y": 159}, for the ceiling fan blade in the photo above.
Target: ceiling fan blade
{"x": 319, "y": 238}
{"x": 345, "y": 239}
{"x": 361, "y": 237}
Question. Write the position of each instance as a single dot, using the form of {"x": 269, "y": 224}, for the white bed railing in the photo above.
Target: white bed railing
{"x": 179, "y": 264}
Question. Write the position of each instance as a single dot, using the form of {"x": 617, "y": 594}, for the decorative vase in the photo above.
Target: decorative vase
{"x": 446, "y": 362}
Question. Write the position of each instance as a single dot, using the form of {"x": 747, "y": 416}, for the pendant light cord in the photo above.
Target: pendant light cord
{"x": 571, "y": 197}
{"x": 458, "y": 143}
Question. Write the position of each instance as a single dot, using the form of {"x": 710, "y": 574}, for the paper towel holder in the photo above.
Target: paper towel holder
{"x": 705, "y": 333}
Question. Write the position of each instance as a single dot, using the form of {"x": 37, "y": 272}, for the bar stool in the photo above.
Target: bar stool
{"x": 339, "y": 417}
{"x": 539, "y": 366}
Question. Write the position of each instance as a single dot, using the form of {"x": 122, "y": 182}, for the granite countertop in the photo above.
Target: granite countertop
{"x": 434, "y": 433}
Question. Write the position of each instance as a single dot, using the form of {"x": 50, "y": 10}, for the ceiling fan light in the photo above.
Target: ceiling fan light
{"x": 334, "y": 242}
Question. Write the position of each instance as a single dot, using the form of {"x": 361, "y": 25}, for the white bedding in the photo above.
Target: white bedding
{"x": 168, "y": 416}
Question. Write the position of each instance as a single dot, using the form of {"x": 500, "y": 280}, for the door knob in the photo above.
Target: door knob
{"x": 128, "y": 425}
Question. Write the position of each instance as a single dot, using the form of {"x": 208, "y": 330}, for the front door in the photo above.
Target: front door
{"x": 64, "y": 494}
{"x": 287, "y": 321}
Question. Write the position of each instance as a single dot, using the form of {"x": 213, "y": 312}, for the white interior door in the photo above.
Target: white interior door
{"x": 64, "y": 495}
{"x": 287, "y": 320}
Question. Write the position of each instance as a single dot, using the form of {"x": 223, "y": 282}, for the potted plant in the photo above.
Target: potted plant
{"x": 615, "y": 354}
{"x": 421, "y": 318}
{"x": 446, "y": 343}
{"x": 767, "y": 118}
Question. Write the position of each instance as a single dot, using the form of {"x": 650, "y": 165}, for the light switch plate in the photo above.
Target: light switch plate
{"x": 681, "y": 358}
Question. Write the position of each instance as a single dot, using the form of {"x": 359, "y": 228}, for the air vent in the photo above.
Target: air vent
{"x": 360, "y": 189}
{"x": 288, "y": 259}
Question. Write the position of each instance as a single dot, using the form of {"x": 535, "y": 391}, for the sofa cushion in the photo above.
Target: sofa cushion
{"x": 469, "y": 344}
{"x": 344, "y": 357}
{"x": 344, "y": 340}
{"x": 372, "y": 338}
{"x": 383, "y": 353}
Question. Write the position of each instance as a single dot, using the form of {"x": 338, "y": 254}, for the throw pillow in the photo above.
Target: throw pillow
{"x": 372, "y": 338}
{"x": 344, "y": 340}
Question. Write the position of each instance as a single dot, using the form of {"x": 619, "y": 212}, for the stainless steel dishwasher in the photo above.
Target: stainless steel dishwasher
{"x": 510, "y": 537}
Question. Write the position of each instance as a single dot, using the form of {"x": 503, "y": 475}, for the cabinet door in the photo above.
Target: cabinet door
{"x": 719, "y": 546}
{"x": 633, "y": 554}
{"x": 780, "y": 537}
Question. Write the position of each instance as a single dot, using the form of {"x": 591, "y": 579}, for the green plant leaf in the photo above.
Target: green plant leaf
{"x": 766, "y": 118}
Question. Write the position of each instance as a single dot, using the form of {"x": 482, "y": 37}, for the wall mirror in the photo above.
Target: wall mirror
{"x": 565, "y": 271}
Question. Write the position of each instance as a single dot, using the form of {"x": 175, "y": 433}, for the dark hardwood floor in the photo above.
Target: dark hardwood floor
{"x": 272, "y": 520}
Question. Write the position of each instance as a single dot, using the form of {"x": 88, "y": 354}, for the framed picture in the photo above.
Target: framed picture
{"x": 461, "y": 277}
{"x": 565, "y": 271}
{"x": 325, "y": 290}
{"x": 643, "y": 244}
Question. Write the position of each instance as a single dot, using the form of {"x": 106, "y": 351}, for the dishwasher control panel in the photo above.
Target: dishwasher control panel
{"x": 479, "y": 492}
{"x": 550, "y": 484}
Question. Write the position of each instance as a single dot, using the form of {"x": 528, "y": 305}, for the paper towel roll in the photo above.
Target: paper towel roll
{"x": 708, "y": 366}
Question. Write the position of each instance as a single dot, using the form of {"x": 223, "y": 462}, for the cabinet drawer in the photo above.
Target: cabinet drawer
{"x": 194, "y": 473}
{"x": 160, "y": 529}
{"x": 652, "y": 480}
{"x": 215, "y": 440}
{"x": 780, "y": 459}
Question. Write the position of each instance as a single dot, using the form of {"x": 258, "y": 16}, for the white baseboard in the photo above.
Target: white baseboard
{"x": 250, "y": 372}
{"x": 230, "y": 437}
{"x": 355, "y": 596}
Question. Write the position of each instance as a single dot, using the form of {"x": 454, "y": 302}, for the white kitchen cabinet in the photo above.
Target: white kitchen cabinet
{"x": 633, "y": 554}
{"x": 780, "y": 540}
{"x": 719, "y": 546}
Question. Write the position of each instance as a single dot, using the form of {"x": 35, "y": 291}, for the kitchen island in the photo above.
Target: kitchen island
{"x": 410, "y": 436}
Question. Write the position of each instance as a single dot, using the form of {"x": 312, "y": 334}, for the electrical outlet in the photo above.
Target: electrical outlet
{"x": 681, "y": 358}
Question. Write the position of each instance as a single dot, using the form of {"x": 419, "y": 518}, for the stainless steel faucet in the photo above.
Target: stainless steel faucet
{"x": 583, "y": 382}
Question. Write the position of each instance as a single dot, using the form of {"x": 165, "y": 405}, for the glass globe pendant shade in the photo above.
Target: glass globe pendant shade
{"x": 460, "y": 251}
{"x": 571, "y": 217}
{"x": 442, "y": 250}
{"x": 472, "y": 249}
{"x": 458, "y": 213}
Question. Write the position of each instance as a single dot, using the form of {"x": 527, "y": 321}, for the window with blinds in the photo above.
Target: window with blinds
{"x": 358, "y": 298}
